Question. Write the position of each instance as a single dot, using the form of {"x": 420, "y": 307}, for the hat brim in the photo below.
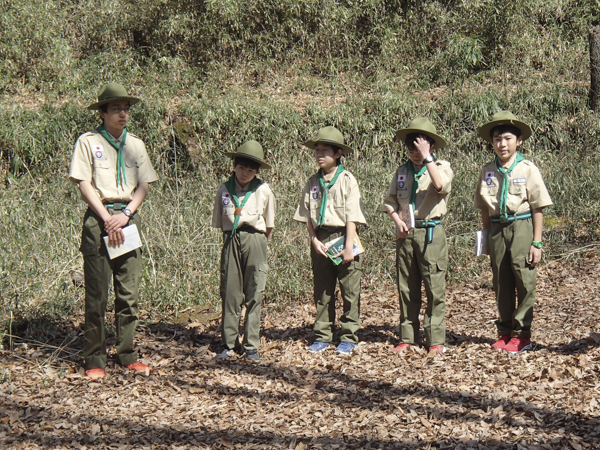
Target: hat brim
{"x": 95, "y": 106}
{"x": 485, "y": 130}
{"x": 439, "y": 142}
{"x": 234, "y": 155}
{"x": 312, "y": 143}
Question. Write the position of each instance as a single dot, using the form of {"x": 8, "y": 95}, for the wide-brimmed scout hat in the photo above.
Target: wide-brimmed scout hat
{"x": 250, "y": 150}
{"x": 503, "y": 118}
{"x": 329, "y": 136}
{"x": 421, "y": 125}
{"x": 112, "y": 92}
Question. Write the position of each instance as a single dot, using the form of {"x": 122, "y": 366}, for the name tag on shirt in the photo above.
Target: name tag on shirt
{"x": 519, "y": 180}
{"x": 314, "y": 193}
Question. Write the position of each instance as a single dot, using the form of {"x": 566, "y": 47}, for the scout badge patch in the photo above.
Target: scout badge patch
{"x": 401, "y": 181}
{"x": 488, "y": 178}
{"x": 98, "y": 151}
{"x": 314, "y": 193}
{"x": 226, "y": 198}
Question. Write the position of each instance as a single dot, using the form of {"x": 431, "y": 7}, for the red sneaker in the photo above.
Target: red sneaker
{"x": 95, "y": 374}
{"x": 139, "y": 367}
{"x": 439, "y": 349}
{"x": 401, "y": 347}
{"x": 501, "y": 343}
{"x": 517, "y": 345}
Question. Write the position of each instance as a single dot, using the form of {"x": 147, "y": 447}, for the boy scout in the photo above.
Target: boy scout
{"x": 511, "y": 195}
{"x": 331, "y": 206}
{"x": 421, "y": 185}
{"x": 112, "y": 170}
{"x": 245, "y": 210}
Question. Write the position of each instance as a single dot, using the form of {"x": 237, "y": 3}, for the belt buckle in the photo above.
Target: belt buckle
{"x": 504, "y": 219}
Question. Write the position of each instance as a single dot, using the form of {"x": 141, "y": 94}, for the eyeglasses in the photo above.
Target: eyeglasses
{"x": 118, "y": 109}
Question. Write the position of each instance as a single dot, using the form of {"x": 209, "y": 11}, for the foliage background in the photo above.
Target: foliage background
{"x": 276, "y": 71}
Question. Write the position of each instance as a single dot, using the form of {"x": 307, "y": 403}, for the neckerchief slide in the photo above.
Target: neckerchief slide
{"x": 325, "y": 187}
{"x": 230, "y": 185}
{"x": 121, "y": 177}
{"x": 504, "y": 188}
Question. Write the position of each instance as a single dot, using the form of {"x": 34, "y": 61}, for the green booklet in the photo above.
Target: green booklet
{"x": 337, "y": 245}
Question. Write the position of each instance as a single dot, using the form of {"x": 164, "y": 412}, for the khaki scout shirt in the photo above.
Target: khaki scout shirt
{"x": 429, "y": 203}
{"x": 95, "y": 160}
{"x": 343, "y": 202}
{"x": 526, "y": 189}
{"x": 258, "y": 212}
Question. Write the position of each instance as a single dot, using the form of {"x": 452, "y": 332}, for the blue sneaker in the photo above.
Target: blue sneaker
{"x": 318, "y": 347}
{"x": 345, "y": 348}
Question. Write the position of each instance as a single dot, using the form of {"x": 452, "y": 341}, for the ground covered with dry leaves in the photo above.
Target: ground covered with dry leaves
{"x": 470, "y": 397}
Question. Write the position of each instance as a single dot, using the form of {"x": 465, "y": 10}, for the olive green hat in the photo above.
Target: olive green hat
{"x": 329, "y": 136}
{"x": 250, "y": 150}
{"x": 504, "y": 118}
{"x": 112, "y": 92}
{"x": 421, "y": 125}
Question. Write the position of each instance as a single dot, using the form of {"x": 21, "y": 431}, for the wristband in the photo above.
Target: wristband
{"x": 537, "y": 244}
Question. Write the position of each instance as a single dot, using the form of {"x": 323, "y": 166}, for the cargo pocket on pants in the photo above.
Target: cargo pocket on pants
{"x": 260, "y": 276}
{"x": 90, "y": 237}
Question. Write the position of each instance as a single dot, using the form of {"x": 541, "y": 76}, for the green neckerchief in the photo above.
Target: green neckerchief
{"x": 121, "y": 177}
{"x": 230, "y": 185}
{"x": 325, "y": 186}
{"x": 504, "y": 188}
{"x": 415, "y": 184}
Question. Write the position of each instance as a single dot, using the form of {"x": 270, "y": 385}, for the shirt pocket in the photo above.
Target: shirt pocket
{"x": 516, "y": 188}
{"x": 489, "y": 190}
{"x": 402, "y": 194}
{"x": 104, "y": 174}
{"x": 131, "y": 172}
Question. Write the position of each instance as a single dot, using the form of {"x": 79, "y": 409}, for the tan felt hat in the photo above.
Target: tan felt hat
{"x": 329, "y": 136}
{"x": 112, "y": 92}
{"x": 421, "y": 125}
{"x": 250, "y": 150}
{"x": 503, "y": 118}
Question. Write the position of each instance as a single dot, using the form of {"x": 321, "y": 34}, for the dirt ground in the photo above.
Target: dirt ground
{"x": 471, "y": 397}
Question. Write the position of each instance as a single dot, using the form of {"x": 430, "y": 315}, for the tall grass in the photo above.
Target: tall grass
{"x": 276, "y": 72}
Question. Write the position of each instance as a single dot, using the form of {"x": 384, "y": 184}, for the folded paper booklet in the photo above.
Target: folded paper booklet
{"x": 337, "y": 245}
{"x": 481, "y": 242}
{"x": 131, "y": 242}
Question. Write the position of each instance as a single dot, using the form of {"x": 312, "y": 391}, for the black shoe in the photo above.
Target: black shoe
{"x": 252, "y": 355}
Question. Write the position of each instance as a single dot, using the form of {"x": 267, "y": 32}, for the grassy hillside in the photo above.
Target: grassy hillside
{"x": 276, "y": 71}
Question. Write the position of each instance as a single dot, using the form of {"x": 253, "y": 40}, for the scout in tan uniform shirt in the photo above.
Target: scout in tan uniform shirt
{"x": 423, "y": 184}
{"x": 112, "y": 170}
{"x": 331, "y": 206}
{"x": 511, "y": 195}
{"x": 245, "y": 210}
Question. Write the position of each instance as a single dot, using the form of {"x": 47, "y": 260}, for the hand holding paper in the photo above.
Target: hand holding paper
{"x": 131, "y": 241}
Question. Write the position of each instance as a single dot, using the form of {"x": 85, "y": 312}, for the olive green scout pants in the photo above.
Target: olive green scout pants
{"x": 98, "y": 269}
{"x": 417, "y": 261}
{"x": 509, "y": 254}
{"x": 326, "y": 274}
{"x": 243, "y": 277}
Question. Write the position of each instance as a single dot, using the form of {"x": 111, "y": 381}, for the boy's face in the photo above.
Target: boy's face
{"x": 116, "y": 116}
{"x": 244, "y": 175}
{"x": 505, "y": 145}
{"x": 326, "y": 157}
